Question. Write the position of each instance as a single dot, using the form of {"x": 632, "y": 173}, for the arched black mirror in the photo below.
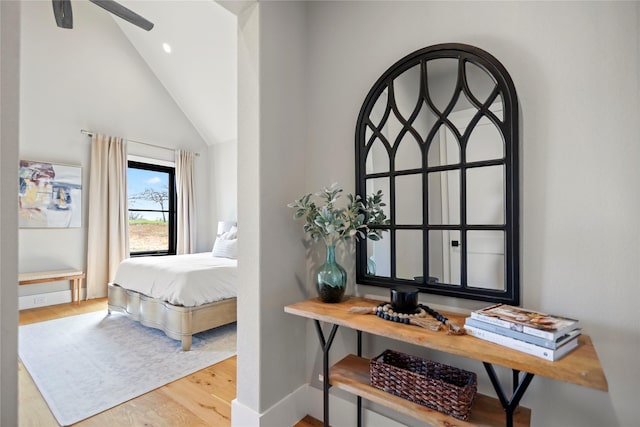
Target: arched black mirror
{"x": 438, "y": 134}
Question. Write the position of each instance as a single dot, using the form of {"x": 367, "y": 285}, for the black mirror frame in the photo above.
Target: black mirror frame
{"x": 510, "y": 131}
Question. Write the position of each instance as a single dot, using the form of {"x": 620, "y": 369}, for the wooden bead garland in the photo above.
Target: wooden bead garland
{"x": 419, "y": 318}
{"x": 385, "y": 311}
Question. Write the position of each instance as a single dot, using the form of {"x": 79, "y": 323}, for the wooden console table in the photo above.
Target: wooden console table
{"x": 75, "y": 276}
{"x": 581, "y": 366}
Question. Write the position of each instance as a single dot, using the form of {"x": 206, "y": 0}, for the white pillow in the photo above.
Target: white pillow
{"x": 231, "y": 234}
{"x": 225, "y": 248}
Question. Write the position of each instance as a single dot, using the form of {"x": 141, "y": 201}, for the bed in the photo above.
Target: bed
{"x": 179, "y": 294}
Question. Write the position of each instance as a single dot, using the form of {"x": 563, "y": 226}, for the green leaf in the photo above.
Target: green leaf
{"x": 334, "y": 222}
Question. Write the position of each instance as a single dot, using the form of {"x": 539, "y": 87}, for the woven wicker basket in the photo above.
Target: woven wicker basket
{"x": 437, "y": 386}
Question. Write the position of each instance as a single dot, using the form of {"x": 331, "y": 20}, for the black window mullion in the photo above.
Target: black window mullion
{"x": 170, "y": 212}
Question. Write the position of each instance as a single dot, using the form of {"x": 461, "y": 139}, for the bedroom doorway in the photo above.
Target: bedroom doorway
{"x": 217, "y": 169}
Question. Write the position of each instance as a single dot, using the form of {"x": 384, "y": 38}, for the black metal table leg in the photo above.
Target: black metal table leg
{"x": 515, "y": 375}
{"x": 326, "y": 345}
{"x": 359, "y": 399}
{"x": 519, "y": 387}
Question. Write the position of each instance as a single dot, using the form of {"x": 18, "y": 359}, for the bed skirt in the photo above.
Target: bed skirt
{"x": 177, "y": 322}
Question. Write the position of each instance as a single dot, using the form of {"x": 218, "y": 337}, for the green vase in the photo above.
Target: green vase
{"x": 331, "y": 280}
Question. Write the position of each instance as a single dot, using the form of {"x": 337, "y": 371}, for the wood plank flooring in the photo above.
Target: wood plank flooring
{"x": 201, "y": 399}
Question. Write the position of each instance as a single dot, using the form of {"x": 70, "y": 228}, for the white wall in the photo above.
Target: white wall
{"x": 245, "y": 408}
{"x": 271, "y": 155}
{"x": 575, "y": 67}
{"x": 9, "y": 114}
{"x": 283, "y": 132}
{"x": 92, "y": 78}
{"x": 224, "y": 180}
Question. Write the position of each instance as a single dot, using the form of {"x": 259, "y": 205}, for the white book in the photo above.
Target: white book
{"x": 547, "y": 326}
{"x": 525, "y": 347}
{"x": 550, "y": 344}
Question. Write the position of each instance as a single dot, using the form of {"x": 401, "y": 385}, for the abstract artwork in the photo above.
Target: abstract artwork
{"x": 50, "y": 195}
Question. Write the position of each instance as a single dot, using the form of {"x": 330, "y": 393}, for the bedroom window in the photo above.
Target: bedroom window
{"x": 152, "y": 209}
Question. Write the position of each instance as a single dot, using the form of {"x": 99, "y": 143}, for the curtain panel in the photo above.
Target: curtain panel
{"x": 108, "y": 226}
{"x": 185, "y": 239}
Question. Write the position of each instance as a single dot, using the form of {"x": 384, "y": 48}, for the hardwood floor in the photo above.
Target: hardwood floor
{"x": 201, "y": 399}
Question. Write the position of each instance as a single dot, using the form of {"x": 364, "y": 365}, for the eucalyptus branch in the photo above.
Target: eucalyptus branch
{"x": 333, "y": 224}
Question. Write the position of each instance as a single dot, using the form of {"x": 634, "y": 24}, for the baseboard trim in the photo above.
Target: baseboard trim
{"x": 49, "y": 298}
{"x": 306, "y": 400}
{"x": 287, "y": 412}
{"x": 243, "y": 416}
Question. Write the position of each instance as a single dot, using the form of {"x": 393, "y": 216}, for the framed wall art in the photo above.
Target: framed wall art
{"x": 50, "y": 195}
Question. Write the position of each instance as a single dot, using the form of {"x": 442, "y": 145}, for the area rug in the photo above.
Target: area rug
{"x": 86, "y": 364}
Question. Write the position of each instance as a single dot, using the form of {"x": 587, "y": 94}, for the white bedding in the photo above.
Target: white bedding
{"x": 188, "y": 280}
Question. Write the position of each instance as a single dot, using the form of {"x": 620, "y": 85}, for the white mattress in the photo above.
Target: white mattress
{"x": 187, "y": 280}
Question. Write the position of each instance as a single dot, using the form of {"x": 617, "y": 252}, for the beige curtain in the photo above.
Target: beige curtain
{"x": 186, "y": 240}
{"x": 108, "y": 229}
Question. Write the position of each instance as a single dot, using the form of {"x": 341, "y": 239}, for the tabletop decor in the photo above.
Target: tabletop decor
{"x": 404, "y": 299}
{"x": 404, "y": 308}
{"x": 419, "y": 318}
{"x": 333, "y": 224}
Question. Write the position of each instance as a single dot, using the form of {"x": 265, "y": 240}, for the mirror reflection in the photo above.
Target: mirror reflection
{"x": 424, "y": 121}
{"x": 408, "y": 154}
{"x": 485, "y": 195}
{"x": 377, "y": 159}
{"x": 436, "y": 144}
{"x": 408, "y": 254}
{"x": 406, "y": 91}
{"x": 391, "y": 128}
{"x": 442, "y": 79}
{"x": 379, "y": 257}
{"x": 444, "y": 257}
{"x": 485, "y": 259}
{"x": 480, "y": 82}
{"x": 444, "y": 149}
{"x": 377, "y": 112}
{"x": 382, "y": 184}
{"x": 444, "y": 197}
{"x": 485, "y": 142}
{"x": 408, "y": 206}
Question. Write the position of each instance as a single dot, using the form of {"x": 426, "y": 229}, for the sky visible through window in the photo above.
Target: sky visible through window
{"x": 139, "y": 181}
{"x": 148, "y": 190}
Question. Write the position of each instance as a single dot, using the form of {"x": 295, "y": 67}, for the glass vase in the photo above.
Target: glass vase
{"x": 331, "y": 280}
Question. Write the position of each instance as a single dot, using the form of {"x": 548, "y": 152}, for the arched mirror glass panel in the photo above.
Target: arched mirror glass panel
{"x": 408, "y": 154}
{"x": 378, "y": 158}
{"x": 438, "y": 134}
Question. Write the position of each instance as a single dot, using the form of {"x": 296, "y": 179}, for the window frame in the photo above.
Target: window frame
{"x": 171, "y": 210}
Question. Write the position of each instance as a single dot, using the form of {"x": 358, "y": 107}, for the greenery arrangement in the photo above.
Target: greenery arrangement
{"x": 334, "y": 224}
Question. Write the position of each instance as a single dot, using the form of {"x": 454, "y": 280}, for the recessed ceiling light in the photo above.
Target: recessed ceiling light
{"x": 166, "y": 47}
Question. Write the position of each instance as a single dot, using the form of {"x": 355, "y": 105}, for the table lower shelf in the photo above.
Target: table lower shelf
{"x": 352, "y": 375}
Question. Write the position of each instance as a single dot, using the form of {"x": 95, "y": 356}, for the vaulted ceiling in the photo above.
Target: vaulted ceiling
{"x": 200, "y": 72}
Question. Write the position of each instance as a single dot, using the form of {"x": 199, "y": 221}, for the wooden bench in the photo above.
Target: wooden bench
{"x": 75, "y": 276}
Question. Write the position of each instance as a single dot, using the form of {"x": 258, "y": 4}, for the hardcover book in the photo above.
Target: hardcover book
{"x": 550, "y": 344}
{"x": 525, "y": 347}
{"x": 547, "y": 326}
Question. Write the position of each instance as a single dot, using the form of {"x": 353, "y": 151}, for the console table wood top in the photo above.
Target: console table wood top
{"x": 581, "y": 366}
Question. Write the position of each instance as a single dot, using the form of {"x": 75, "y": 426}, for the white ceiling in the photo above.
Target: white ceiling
{"x": 200, "y": 73}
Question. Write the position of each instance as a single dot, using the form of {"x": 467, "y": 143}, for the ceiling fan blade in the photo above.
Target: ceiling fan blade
{"x": 63, "y": 14}
{"x": 124, "y": 13}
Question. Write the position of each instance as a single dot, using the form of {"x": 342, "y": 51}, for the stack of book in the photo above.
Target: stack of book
{"x": 547, "y": 336}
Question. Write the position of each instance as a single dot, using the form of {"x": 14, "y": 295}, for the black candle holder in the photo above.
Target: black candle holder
{"x": 404, "y": 299}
